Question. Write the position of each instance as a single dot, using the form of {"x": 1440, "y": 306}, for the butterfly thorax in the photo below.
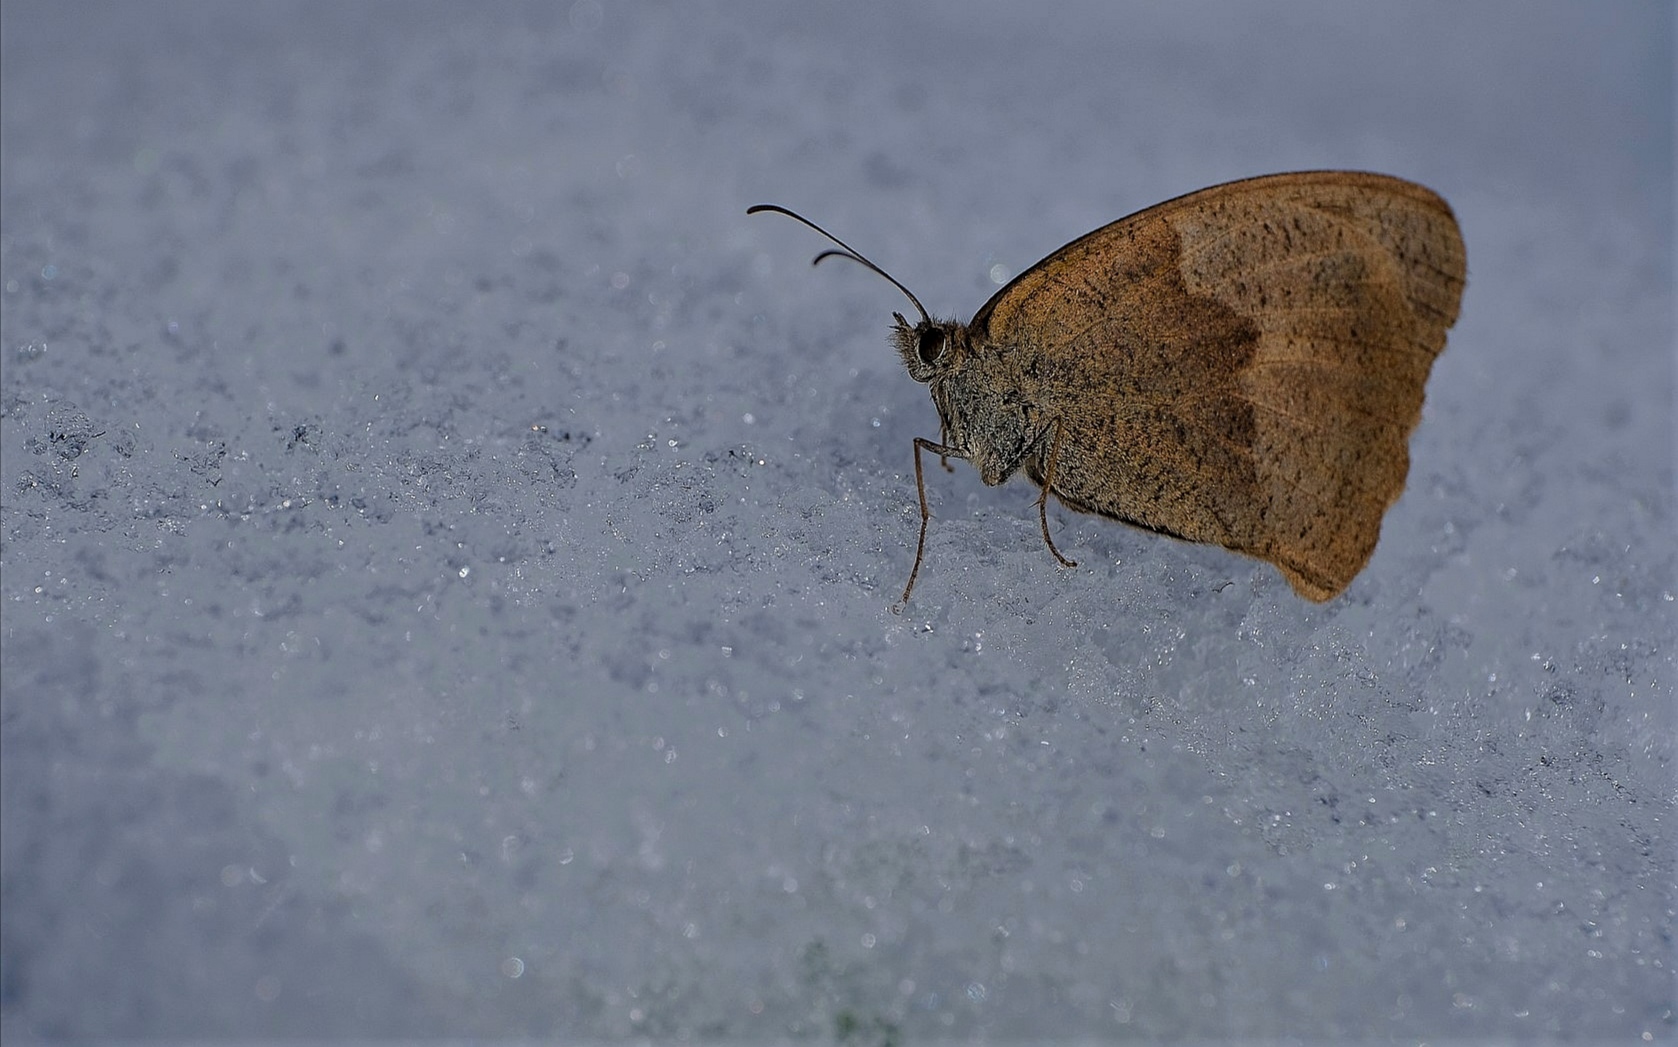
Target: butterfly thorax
{"x": 985, "y": 412}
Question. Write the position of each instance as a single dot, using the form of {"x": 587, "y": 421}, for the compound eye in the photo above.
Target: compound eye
{"x": 931, "y": 346}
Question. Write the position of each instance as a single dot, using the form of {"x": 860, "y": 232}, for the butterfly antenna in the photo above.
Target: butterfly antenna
{"x": 848, "y": 252}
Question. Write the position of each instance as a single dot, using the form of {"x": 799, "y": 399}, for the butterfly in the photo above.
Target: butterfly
{"x": 1242, "y": 366}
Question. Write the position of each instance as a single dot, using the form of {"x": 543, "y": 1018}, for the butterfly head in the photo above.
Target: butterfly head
{"x": 929, "y": 348}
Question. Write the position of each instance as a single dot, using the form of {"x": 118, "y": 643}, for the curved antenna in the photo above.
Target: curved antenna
{"x": 848, "y": 252}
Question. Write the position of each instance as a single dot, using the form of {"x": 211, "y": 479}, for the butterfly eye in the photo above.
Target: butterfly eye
{"x": 931, "y": 346}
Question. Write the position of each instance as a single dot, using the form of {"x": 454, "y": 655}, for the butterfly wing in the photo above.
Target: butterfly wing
{"x": 1243, "y": 365}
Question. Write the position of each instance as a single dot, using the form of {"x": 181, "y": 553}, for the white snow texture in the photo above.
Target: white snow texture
{"x": 449, "y": 547}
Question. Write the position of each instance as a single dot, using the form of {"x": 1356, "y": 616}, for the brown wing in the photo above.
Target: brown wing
{"x": 1243, "y": 365}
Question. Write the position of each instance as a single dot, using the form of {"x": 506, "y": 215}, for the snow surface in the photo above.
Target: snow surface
{"x": 449, "y": 547}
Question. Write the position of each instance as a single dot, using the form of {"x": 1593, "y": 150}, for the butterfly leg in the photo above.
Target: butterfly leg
{"x": 1043, "y": 497}
{"x": 943, "y": 453}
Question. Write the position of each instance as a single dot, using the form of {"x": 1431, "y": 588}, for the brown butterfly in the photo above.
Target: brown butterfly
{"x": 1242, "y": 365}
